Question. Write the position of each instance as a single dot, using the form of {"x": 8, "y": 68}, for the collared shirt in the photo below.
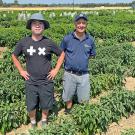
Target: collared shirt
{"x": 77, "y": 52}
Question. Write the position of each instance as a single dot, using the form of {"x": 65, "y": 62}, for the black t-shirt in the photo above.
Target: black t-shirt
{"x": 38, "y": 57}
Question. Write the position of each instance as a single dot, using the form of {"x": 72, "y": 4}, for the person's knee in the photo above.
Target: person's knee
{"x": 84, "y": 99}
{"x": 45, "y": 111}
{"x": 32, "y": 113}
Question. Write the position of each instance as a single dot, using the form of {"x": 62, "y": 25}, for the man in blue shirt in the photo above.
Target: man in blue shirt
{"x": 78, "y": 46}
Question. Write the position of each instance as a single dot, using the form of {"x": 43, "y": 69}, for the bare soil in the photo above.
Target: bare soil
{"x": 130, "y": 83}
{"x": 133, "y": 43}
{"x": 116, "y": 129}
{"x": 2, "y": 49}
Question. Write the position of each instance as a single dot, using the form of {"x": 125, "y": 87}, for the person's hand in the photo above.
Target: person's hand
{"x": 52, "y": 74}
{"x": 24, "y": 74}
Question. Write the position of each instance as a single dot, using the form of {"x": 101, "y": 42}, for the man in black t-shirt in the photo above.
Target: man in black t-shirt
{"x": 38, "y": 74}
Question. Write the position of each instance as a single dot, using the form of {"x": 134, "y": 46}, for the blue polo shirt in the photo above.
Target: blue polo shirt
{"x": 77, "y": 52}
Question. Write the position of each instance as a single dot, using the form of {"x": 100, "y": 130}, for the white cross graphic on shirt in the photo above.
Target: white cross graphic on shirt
{"x": 31, "y": 50}
{"x": 41, "y": 51}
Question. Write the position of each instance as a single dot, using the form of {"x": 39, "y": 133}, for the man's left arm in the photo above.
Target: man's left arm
{"x": 93, "y": 50}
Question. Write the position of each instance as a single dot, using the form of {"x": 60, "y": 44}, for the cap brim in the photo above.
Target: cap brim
{"x": 81, "y": 18}
{"x": 46, "y": 24}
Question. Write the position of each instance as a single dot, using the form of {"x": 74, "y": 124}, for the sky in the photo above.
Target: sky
{"x": 66, "y": 1}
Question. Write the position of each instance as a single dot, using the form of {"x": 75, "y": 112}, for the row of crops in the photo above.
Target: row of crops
{"x": 119, "y": 27}
{"x": 115, "y": 60}
{"x": 129, "y": 132}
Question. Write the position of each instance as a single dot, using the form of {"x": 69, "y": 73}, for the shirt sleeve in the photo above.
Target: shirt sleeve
{"x": 55, "y": 49}
{"x": 18, "y": 49}
{"x": 63, "y": 45}
{"x": 93, "y": 49}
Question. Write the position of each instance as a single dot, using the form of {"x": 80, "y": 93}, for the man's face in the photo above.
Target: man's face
{"x": 81, "y": 25}
{"x": 37, "y": 27}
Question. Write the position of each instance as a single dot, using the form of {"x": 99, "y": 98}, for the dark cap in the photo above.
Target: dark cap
{"x": 38, "y": 17}
{"x": 81, "y": 15}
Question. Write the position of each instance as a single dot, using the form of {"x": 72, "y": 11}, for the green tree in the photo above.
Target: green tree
{"x": 16, "y": 2}
{"x": 133, "y": 4}
{"x": 1, "y": 2}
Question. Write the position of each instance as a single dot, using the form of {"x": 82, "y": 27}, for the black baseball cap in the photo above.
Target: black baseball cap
{"x": 81, "y": 15}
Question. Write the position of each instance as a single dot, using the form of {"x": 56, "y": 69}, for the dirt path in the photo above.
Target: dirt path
{"x": 116, "y": 129}
{"x": 2, "y": 49}
{"x": 133, "y": 43}
{"x": 97, "y": 98}
{"x": 130, "y": 83}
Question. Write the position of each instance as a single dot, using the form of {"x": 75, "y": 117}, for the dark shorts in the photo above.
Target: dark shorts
{"x": 39, "y": 95}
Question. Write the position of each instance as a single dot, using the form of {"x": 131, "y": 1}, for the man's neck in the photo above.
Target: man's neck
{"x": 79, "y": 35}
{"x": 37, "y": 37}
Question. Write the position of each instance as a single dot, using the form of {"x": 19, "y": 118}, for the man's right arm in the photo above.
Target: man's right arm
{"x": 18, "y": 65}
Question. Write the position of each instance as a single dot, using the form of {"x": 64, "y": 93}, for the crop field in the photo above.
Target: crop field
{"x": 114, "y": 33}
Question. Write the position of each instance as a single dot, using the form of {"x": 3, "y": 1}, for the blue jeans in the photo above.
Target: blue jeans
{"x": 74, "y": 84}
